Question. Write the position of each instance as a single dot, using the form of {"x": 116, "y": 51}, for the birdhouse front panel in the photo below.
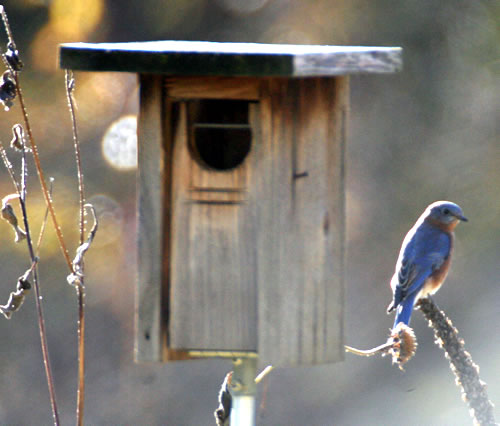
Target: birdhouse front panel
{"x": 213, "y": 292}
{"x": 257, "y": 218}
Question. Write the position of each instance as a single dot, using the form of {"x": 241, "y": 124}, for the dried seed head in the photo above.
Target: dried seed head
{"x": 16, "y": 298}
{"x": 9, "y": 215}
{"x": 404, "y": 344}
{"x": 12, "y": 59}
{"x": 7, "y": 90}
{"x": 23, "y": 284}
{"x": 18, "y": 141}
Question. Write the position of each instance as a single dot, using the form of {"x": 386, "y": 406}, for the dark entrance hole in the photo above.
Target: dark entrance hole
{"x": 221, "y": 136}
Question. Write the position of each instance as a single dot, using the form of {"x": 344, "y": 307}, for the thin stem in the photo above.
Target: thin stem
{"x": 7, "y": 26}
{"x": 80, "y": 288}
{"x": 21, "y": 191}
{"x": 263, "y": 374}
{"x": 38, "y": 299}
{"x": 22, "y": 198}
{"x": 76, "y": 142}
{"x": 9, "y": 168}
{"x": 81, "y": 355}
{"x": 44, "y": 224}
{"x": 41, "y": 176}
{"x": 384, "y": 348}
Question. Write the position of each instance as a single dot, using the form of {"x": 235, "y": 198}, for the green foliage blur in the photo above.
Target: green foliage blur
{"x": 430, "y": 132}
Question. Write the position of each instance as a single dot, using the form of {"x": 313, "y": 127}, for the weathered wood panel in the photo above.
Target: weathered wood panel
{"x": 300, "y": 241}
{"x": 153, "y": 189}
{"x": 150, "y": 342}
{"x": 252, "y": 257}
{"x": 213, "y": 87}
{"x": 213, "y": 271}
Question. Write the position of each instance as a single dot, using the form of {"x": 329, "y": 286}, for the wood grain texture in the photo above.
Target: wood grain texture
{"x": 355, "y": 62}
{"x": 213, "y": 88}
{"x": 300, "y": 241}
{"x": 150, "y": 341}
{"x": 184, "y": 58}
{"x": 154, "y": 189}
{"x": 249, "y": 259}
{"x": 213, "y": 284}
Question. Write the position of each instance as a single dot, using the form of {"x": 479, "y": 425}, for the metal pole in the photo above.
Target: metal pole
{"x": 243, "y": 390}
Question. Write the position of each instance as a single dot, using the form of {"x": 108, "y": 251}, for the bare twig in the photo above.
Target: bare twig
{"x": 77, "y": 279}
{"x": 77, "y": 264}
{"x": 41, "y": 175}
{"x": 44, "y": 222}
{"x": 383, "y": 349}
{"x": 41, "y": 320}
{"x": 10, "y": 169}
{"x": 461, "y": 363}
{"x": 80, "y": 397}
{"x": 34, "y": 148}
{"x": 15, "y": 65}
{"x": 263, "y": 377}
{"x": 263, "y": 374}
{"x": 21, "y": 195}
{"x": 70, "y": 87}
{"x": 7, "y": 26}
{"x": 80, "y": 289}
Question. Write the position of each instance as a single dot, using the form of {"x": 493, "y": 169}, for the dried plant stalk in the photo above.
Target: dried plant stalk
{"x": 461, "y": 363}
{"x": 80, "y": 289}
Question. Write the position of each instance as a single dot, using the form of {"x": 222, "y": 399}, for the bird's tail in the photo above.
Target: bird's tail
{"x": 404, "y": 310}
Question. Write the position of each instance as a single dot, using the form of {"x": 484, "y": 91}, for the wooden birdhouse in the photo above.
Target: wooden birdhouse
{"x": 241, "y": 194}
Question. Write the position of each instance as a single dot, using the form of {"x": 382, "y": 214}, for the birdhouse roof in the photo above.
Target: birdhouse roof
{"x": 230, "y": 59}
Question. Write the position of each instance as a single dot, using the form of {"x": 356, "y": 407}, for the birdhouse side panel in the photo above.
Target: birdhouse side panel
{"x": 300, "y": 253}
{"x": 150, "y": 329}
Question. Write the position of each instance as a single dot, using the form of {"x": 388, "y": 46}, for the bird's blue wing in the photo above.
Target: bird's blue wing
{"x": 420, "y": 256}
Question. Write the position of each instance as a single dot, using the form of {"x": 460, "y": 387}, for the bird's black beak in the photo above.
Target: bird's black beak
{"x": 462, "y": 218}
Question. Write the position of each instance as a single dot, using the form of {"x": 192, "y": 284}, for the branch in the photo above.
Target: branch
{"x": 461, "y": 363}
{"x": 80, "y": 289}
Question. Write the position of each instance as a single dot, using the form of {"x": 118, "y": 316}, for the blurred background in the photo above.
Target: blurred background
{"x": 430, "y": 132}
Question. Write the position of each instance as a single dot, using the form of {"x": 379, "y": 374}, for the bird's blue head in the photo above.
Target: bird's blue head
{"x": 445, "y": 213}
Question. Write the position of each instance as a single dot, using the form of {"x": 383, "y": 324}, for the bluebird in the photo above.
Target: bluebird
{"x": 424, "y": 258}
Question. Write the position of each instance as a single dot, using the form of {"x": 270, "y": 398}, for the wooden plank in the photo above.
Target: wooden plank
{"x": 355, "y": 62}
{"x": 149, "y": 340}
{"x": 153, "y": 178}
{"x": 213, "y": 88}
{"x": 213, "y": 284}
{"x": 301, "y": 223}
{"x": 183, "y": 58}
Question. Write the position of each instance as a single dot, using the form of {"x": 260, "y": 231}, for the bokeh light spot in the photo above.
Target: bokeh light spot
{"x": 119, "y": 144}
{"x": 75, "y": 18}
{"x": 68, "y": 21}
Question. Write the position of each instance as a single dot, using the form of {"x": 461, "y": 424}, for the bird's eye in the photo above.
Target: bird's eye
{"x": 446, "y": 211}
